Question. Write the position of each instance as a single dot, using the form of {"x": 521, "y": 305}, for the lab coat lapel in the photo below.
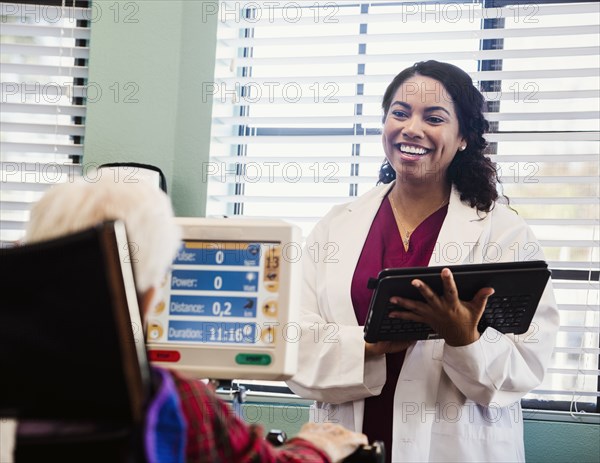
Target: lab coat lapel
{"x": 348, "y": 233}
{"x": 460, "y": 232}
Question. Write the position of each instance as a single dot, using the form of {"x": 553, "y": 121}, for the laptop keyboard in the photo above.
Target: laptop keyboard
{"x": 505, "y": 311}
{"x": 397, "y": 325}
{"x": 501, "y": 312}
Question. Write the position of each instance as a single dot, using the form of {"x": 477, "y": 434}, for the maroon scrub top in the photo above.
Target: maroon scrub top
{"x": 384, "y": 249}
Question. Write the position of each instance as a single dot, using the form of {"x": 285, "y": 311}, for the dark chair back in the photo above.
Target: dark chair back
{"x": 74, "y": 367}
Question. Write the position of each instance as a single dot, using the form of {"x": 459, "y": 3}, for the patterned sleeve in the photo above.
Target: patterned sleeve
{"x": 216, "y": 435}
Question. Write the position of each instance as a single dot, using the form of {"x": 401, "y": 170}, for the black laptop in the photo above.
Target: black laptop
{"x": 518, "y": 288}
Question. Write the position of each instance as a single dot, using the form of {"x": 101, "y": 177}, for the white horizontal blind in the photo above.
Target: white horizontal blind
{"x": 297, "y": 119}
{"x": 44, "y": 75}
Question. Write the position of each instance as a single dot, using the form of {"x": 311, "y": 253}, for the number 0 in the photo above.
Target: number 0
{"x": 218, "y": 282}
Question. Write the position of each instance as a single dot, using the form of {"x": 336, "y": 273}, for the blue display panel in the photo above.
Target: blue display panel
{"x": 220, "y": 254}
{"x": 215, "y": 280}
{"x": 217, "y": 306}
{"x": 239, "y": 333}
{"x": 219, "y": 293}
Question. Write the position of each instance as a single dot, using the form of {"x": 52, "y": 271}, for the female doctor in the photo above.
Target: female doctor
{"x": 451, "y": 399}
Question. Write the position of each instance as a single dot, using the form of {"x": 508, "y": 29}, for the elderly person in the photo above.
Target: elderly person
{"x": 213, "y": 434}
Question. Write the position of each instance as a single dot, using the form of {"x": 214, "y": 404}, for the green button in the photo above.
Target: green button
{"x": 253, "y": 359}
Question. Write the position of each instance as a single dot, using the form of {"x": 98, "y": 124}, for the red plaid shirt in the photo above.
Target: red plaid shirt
{"x": 216, "y": 435}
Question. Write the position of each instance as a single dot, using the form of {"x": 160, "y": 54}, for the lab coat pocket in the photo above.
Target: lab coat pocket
{"x": 437, "y": 349}
{"x": 452, "y": 441}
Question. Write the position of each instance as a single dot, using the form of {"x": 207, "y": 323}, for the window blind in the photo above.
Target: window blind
{"x": 297, "y": 126}
{"x": 43, "y": 70}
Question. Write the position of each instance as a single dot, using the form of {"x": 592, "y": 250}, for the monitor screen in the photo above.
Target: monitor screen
{"x": 228, "y": 304}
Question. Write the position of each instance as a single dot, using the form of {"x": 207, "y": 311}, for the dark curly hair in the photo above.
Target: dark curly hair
{"x": 473, "y": 174}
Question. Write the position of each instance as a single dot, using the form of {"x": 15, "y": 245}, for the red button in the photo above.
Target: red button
{"x": 164, "y": 355}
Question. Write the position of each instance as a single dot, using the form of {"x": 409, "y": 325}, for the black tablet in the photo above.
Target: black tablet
{"x": 518, "y": 288}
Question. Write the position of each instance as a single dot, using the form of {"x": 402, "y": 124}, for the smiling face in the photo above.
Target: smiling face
{"x": 421, "y": 132}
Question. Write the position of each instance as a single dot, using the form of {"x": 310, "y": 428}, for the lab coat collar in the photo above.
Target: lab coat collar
{"x": 348, "y": 232}
{"x": 459, "y": 234}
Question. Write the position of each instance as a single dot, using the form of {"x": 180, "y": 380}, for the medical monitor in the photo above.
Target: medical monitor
{"x": 229, "y": 303}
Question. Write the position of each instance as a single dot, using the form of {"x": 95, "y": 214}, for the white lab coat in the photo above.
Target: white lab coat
{"x": 451, "y": 403}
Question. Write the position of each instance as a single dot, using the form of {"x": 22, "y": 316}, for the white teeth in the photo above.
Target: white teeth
{"x": 412, "y": 149}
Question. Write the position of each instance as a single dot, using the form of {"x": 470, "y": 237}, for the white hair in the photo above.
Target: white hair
{"x": 153, "y": 235}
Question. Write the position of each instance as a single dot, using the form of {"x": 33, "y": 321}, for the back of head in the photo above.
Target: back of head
{"x": 146, "y": 211}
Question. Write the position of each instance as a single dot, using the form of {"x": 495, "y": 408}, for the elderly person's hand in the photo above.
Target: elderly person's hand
{"x": 335, "y": 440}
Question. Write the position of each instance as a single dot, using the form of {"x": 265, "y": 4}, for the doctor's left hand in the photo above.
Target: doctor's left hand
{"x": 454, "y": 320}
{"x": 374, "y": 349}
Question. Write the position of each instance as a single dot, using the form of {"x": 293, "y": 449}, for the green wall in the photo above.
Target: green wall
{"x": 148, "y": 60}
{"x": 158, "y": 53}
{"x": 553, "y": 442}
{"x": 545, "y": 441}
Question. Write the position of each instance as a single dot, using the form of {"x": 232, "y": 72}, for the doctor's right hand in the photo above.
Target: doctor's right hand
{"x": 335, "y": 440}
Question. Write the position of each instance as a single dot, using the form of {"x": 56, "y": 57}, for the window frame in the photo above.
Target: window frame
{"x": 569, "y": 275}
